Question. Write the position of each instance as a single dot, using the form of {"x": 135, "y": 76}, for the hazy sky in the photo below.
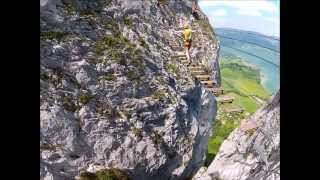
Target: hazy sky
{"x": 262, "y": 16}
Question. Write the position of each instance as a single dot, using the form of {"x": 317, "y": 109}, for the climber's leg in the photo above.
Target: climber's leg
{"x": 187, "y": 54}
{"x": 188, "y": 51}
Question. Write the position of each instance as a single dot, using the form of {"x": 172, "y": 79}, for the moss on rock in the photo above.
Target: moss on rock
{"x": 53, "y": 35}
{"x": 68, "y": 104}
{"x": 84, "y": 98}
{"x": 105, "y": 174}
{"x": 159, "y": 95}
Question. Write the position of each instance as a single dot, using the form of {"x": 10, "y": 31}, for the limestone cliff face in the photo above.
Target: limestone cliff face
{"x": 112, "y": 97}
{"x": 252, "y": 151}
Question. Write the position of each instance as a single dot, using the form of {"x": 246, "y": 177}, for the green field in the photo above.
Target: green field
{"x": 242, "y": 82}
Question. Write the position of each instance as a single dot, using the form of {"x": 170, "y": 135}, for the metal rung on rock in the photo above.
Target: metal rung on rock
{"x": 182, "y": 58}
{"x": 216, "y": 91}
{"x": 179, "y": 55}
{"x": 224, "y": 99}
{"x": 209, "y": 85}
{"x": 198, "y": 73}
{"x": 185, "y": 62}
{"x": 209, "y": 82}
{"x": 196, "y": 68}
{"x": 202, "y": 77}
{"x": 234, "y": 110}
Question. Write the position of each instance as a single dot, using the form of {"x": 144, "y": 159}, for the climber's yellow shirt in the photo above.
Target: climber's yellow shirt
{"x": 186, "y": 34}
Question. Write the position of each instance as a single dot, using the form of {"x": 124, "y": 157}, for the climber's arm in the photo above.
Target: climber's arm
{"x": 177, "y": 32}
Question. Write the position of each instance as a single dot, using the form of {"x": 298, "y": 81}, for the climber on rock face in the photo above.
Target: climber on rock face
{"x": 187, "y": 35}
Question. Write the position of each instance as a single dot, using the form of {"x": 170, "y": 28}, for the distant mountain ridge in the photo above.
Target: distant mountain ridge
{"x": 250, "y": 32}
{"x": 250, "y": 36}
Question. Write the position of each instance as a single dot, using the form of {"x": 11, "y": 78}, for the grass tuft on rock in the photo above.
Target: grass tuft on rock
{"x": 88, "y": 176}
{"x": 156, "y": 138}
{"x": 173, "y": 68}
{"x": 49, "y": 147}
{"x": 70, "y": 8}
{"x": 84, "y": 99}
{"x": 112, "y": 25}
{"x": 159, "y": 95}
{"x": 105, "y": 174}
{"x": 143, "y": 43}
{"x": 114, "y": 45}
{"x": 44, "y": 77}
{"x": 68, "y": 104}
{"x": 133, "y": 75}
{"x": 109, "y": 77}
{"x": 127, "y": 21}
{"x": 53, "y": 35}
{"x": 88, "y": 13}
{"x": 137, "y": 132}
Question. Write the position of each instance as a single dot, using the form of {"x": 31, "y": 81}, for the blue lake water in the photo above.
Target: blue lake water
{"x": 256, "y": 49}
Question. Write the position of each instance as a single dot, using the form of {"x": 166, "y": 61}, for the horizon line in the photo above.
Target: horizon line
{"x": 275, "y": 37}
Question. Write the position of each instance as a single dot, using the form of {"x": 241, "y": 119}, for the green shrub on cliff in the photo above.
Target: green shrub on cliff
{"x": 127, "y": 21}
{"x": 105, "y": 174}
